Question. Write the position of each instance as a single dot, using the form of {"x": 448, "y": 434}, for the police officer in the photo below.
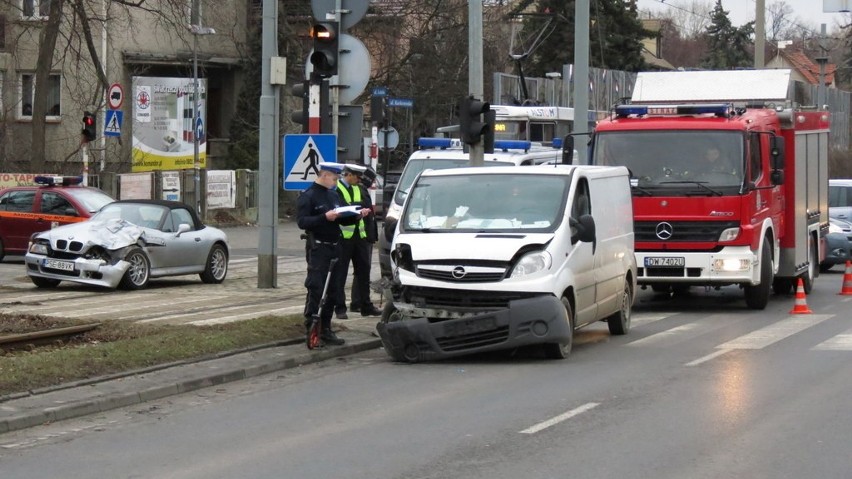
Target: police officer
{"x": 354, "y": 246}
{"x": 366, "y": 306}
{"x": 316, "y": 214}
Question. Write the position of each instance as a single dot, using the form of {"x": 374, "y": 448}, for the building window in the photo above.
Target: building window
{"x": 35, "y": 8}
{"x": 54, "y": 103}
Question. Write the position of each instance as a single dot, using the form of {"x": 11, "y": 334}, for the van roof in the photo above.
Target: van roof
{"x": 562, "y": 170}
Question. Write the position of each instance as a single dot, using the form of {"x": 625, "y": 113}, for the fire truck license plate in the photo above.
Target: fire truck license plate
{"x": 658, "y": 261}
{"x": 61, "y": 265}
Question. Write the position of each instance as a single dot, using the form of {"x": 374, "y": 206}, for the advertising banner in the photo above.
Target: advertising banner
{"x": 163, "y": 129}
{"x": 221, "y": 189}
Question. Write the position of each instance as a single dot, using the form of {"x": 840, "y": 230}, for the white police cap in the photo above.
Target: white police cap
{"x": 355, "y": 169}
{"x": 330, "y": 166}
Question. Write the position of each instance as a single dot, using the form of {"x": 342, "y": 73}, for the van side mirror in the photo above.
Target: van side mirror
{"x": 585, "y": 229}
{"x": 776, "y": 152}
{"x": 568, "y": 150}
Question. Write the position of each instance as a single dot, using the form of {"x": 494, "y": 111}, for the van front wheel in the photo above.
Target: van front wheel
{"x": 562, "y": 350}
{"x": 619, "y": 322}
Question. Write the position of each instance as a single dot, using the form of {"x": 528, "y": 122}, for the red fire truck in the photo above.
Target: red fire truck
{"x": 729, "y": 180}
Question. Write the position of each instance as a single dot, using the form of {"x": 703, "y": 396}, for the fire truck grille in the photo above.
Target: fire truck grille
{"x": 680, "y": 231}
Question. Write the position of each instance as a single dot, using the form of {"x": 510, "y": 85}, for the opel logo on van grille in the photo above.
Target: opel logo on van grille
{"x": 664, "y": 230}
{"x": 459, "y": 272}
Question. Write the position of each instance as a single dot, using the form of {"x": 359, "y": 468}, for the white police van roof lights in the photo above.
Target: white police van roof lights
{"x": 723, "y": 110}
{"x": 45, "y": 180}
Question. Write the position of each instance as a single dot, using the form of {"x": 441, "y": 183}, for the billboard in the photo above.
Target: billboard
{"x": 163, "y": 130}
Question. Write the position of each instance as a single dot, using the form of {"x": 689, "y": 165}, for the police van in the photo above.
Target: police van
{"x": 444, "y": 153}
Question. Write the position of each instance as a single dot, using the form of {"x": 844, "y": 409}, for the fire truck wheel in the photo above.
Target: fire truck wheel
{"x": 782, "y": 286}
{"x": 757, "y": 297}
{"x": 810, "y": 274}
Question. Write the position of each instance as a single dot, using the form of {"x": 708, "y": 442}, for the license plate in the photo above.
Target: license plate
{"x": 665, "y": 262}
{"x": 58, "y": 264}
{"x": 469, "y": 326}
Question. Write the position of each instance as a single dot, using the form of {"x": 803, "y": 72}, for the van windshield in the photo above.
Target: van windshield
{"x": 470, "y": 203}
{"x": 414, "y": 167}
{"x": 676, "y": 162}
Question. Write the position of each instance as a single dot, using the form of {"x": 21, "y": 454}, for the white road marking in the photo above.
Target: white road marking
{"x": 562, "y": 417}
{"x": 773, "y": 333}
{"x": 664, "y": 335}
{"x": 708, "y": 357}
{"x": 841, "y": 342}
{"x": 647, "y": 318}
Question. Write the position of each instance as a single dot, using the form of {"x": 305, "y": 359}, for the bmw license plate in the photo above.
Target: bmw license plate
{"x": 665, "y": 262}
{"x": 469, "y": 326}
{"x": 58, "y": 264}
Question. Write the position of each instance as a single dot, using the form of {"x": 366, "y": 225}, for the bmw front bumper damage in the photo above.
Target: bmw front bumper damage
{"x": 416, "y": 334}
{"x": 96, "y": 272}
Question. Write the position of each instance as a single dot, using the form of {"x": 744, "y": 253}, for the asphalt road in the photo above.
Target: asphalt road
{"x": 701, "y": 388}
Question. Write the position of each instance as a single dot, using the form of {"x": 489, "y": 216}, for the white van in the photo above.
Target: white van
{"x": 497, "y": 258}
{"x": 445, "y": 153}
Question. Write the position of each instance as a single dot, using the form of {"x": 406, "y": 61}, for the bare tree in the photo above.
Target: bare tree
{"x": 689, "y": 17}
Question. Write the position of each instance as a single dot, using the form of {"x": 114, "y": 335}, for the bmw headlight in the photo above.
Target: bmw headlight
{"x": 532, "y": 263}
{"x": 38, "y": 248}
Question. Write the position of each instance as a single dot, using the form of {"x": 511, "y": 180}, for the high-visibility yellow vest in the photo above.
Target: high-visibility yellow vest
{"x": 349, "y": 230}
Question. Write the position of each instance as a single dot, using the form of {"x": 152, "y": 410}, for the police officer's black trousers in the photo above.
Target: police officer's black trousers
{"x": 319, "y": 259}
{"x": 356, "y": 250}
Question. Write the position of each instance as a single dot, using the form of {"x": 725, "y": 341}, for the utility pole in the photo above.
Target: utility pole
{"x": 759, "y": 33}
{"x": 267, "y": 258}
{"x": 822, "y": 60}
{"x": 581, "y": 78}
{"x": 474, "y": 72}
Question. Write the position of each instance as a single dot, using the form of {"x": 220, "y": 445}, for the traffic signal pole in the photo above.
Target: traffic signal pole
{"x": 475, "y": 79}
{"x": 267, "y": 258}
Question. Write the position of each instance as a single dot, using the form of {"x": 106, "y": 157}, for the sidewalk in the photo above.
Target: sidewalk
{"x": 102, "y": 394}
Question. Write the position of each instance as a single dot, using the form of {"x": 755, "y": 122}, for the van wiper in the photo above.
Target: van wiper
{"x": 701, "y": 184}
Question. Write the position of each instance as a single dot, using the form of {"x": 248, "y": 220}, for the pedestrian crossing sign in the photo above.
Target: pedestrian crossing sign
{"x": 112, "y": 122}
{"x": 302, "y": 156}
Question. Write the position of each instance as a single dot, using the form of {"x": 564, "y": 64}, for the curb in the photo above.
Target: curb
{"x": 150, "y": 388}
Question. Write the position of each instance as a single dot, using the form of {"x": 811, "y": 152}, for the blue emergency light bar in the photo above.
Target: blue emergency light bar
{"x": 45, "y": 180}
{"x": 719, "y": 109}
{"x": 444, "y": 143}
{"x": 557, "y": 143}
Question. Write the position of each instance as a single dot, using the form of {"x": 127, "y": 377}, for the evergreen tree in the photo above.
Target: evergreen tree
{"x": 615, "y": 35}
{"x": 727, "y": 45}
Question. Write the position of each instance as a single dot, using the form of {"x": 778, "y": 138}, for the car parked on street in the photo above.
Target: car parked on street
{"x": 838, "y": 242}
{"x": 53, "y": 201}
{"x": 126, "y": 244}
{"x": 840, "y": 198}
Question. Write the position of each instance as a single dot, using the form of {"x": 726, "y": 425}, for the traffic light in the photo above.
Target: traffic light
{"x": 90, "y": 126}
{"x": 488, "y": 137}
{"x": 301, "y": 116}
{"x": 326, "y": 43}
{"x": 470, "y": 119}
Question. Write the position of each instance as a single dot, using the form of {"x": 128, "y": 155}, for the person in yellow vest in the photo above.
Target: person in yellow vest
{"x": 354, "y": 247}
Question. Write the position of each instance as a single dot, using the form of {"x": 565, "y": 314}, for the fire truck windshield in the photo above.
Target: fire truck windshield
{"x": 682, "y": 160}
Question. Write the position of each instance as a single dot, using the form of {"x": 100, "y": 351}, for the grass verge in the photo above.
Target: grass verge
{"x": 119, "y": 346}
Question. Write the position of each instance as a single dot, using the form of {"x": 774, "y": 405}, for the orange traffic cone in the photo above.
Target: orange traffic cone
{"x": 847, "y": 280}
{"x": 801, "y": 306}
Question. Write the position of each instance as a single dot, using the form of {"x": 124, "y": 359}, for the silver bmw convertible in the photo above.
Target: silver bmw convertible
{"x": 126, "y": 244}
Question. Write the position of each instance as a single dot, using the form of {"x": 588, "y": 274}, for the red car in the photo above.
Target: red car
{"x": 54, "y": 201}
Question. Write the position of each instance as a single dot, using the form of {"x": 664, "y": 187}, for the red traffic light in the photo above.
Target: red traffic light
{"x": 89, "y": 126}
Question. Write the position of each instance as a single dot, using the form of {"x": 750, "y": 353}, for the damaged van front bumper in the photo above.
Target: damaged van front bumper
{"x": 416, "y": 334}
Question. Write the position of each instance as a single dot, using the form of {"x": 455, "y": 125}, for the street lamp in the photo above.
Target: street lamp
{"x": 196, "y": 30}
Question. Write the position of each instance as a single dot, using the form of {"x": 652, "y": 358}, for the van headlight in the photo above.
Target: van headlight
{"x": 729, "y": 234}
{"x": 532, "y": 263}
